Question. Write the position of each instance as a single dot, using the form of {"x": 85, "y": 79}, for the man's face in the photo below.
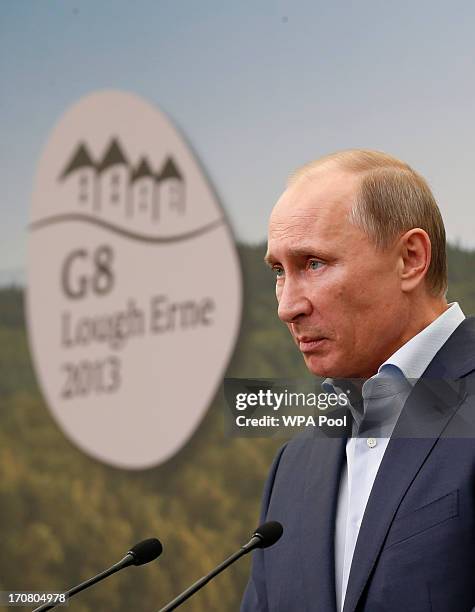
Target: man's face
{"x": 340, "y": 298}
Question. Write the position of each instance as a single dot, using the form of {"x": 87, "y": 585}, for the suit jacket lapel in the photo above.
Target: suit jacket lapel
{"x": 318, "y": 521}
{"x": 428, "y": 410}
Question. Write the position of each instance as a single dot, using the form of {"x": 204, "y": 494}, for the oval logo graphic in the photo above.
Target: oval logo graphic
{"x": 134, "y": 285}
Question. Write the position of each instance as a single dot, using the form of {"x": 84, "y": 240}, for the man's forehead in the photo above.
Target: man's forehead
{"x": 300, "y": 232}
{"x": 313, "y": 211}
{"x": 313, "y": 202}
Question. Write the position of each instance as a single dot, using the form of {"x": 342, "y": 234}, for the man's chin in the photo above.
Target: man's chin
{"x": 317, "y": 365}
{"x": 326, "y": 368}
{"x": 320, "y": 365}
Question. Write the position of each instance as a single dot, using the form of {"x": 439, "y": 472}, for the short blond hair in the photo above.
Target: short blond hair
{"x": 392, "y": 198}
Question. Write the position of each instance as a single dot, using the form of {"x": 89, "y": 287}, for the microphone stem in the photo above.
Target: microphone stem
{"x": 202, "y": 581}
{"x": 127, "y": 560}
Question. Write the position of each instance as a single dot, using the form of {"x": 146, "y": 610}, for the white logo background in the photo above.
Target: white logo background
{"x": 134, "y": 286}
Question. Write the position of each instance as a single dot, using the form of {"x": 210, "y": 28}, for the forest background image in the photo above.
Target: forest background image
{"x": 65, "y": 517}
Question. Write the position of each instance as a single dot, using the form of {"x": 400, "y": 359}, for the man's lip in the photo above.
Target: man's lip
{"x": 308, "y": 343}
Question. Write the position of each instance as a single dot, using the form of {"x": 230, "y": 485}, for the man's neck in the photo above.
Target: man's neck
{"x": 427, "y": 312}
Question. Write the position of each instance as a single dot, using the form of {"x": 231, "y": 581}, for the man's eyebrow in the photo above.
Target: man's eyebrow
{"x": 269, "y": 259}
{"x": 298, "y": 252}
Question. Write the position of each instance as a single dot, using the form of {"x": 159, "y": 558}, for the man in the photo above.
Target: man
{"x": 383, "y": 522}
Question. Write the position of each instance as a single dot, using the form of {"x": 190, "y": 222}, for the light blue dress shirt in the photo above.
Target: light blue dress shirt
{"x": 384, "y": 395}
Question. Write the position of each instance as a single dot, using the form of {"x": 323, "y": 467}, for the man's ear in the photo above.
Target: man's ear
{"x": 415, "y": 255}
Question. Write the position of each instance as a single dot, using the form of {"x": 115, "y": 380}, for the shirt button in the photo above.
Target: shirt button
{"x": 371, "y": 442}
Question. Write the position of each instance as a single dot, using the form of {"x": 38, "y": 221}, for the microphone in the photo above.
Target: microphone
{"x": 264, "y": 536}
{"x": 143, "y": 552}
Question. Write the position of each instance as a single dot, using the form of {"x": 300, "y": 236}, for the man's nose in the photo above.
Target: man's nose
{"x": 293, "y": 302}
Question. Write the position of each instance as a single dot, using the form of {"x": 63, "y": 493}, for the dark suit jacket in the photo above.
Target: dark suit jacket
{"x": 416, "y": 546}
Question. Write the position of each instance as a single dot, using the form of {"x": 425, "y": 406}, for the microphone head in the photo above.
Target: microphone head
{"x": 146, "y": 551}
{"x": 268, "y": 533}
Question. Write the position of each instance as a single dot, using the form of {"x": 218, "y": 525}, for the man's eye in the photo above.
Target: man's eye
{"x": 314, "y": 264}
{"x": 279, "y": 272}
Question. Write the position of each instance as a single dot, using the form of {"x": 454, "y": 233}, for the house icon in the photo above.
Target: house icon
{"x": 143, "y": 190}
{"x": 81, "y": 174}
{"x": 172, "y": 187}
{"x": 113, "y": 174}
